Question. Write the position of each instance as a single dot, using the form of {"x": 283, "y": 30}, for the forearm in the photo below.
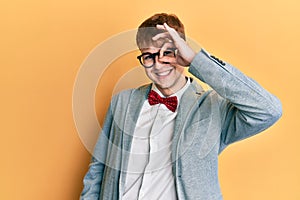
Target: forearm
{"x": 92, "y": 181}
{"x": 251, "y": 106}
{"x": 94, "y": 177}
{"x": 233, "y": 85}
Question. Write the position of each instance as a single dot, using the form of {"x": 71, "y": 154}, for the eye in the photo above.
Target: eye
{"x": 169, "y": 52}
{"x": 147, "y": 57}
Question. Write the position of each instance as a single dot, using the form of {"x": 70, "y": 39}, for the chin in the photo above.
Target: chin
{"x": 164, "y": 86}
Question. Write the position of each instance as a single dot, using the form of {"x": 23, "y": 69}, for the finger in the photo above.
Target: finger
{"x": 161, "y": 35}
{"x": 171, "y": 31}
{"x": 180, "y": 61}
{"x": 160, "y": 26}
{"x": 165, "y": 47}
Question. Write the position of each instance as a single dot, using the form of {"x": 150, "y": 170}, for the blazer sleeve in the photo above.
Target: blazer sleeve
{"x": 94, "y": 177}
{"x": 246, "y": 108}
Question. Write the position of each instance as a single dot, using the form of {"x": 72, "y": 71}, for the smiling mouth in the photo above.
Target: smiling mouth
{"x": 165, "y": 73}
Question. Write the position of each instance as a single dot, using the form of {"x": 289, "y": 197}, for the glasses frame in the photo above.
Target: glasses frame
{"x": 153, "y": 55}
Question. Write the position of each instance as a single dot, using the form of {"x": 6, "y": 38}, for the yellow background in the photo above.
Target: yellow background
{"x": 43, "y": 44}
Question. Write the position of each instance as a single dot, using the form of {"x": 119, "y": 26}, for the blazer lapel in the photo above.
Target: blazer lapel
{"x": 188, "y": 101}
{"x": 135, "y": 103}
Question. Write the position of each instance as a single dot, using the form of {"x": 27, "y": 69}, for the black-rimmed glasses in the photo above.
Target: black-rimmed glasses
{"x": 148, "y": 59}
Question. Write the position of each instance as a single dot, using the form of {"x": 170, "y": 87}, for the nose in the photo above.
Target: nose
{"x": 160, "y": 62}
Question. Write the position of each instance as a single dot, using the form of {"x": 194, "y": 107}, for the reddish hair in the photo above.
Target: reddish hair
{"x": 148, "y": 28}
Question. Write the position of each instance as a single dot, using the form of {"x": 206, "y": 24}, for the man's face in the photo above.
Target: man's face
{"x": 167, "y": 77}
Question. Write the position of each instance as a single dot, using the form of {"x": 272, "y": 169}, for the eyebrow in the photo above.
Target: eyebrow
{"x": 148, "y": 49}
{"x": 158, "y": 49}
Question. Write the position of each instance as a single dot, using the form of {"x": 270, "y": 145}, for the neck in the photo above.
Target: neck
{"x": 174, "y": 88}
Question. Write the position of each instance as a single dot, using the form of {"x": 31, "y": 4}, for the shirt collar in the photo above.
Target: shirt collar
{"x": 178, "y": 94}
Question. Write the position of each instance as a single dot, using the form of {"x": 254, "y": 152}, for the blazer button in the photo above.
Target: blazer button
{"x": 218, "y": 60}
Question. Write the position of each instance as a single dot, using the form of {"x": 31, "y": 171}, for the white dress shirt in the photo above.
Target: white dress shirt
{"x": 149, "y": 175}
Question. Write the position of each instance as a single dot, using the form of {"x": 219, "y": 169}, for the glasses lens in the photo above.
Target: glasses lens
{"x": 147, "y": 59}
{"x": 170, "y": 53}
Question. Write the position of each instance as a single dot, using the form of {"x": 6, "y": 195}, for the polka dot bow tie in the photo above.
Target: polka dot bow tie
{"x": 169, "y": 102}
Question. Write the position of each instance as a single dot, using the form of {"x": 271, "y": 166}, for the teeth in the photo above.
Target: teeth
{"x": 163, "y": 73}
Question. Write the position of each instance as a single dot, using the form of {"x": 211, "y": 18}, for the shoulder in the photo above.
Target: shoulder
{"x": 126, "y": 95}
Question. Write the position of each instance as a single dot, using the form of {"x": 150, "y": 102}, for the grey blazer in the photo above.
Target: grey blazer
{"x": 206, "y": 123}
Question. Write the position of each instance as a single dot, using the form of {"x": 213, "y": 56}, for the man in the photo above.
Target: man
{"x": 162, "y": 140}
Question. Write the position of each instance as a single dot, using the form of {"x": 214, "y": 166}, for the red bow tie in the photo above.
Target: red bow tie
{"x": 170, "y": 102}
